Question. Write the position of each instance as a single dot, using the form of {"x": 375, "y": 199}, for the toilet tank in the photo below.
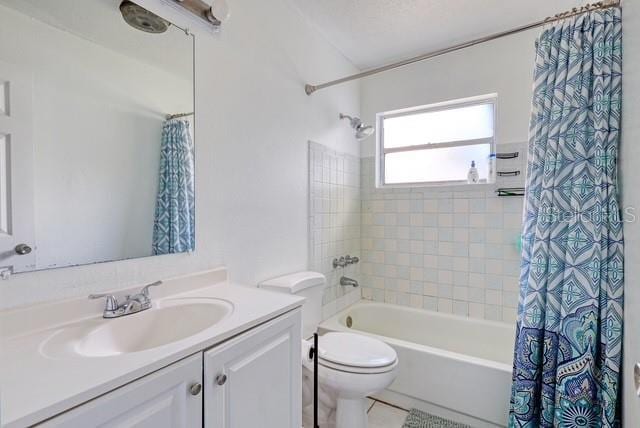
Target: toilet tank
{"x": 309, "y": 285}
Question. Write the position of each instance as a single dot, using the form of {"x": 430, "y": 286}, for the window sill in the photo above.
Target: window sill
{"x": 441, "y": 186}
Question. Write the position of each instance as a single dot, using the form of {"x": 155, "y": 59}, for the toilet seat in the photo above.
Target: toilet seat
{"x": 355, "y": 353}
{"x": 356, "y": 370}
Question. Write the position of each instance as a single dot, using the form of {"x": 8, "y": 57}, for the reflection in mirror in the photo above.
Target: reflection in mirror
{"x": 96, "y": 111}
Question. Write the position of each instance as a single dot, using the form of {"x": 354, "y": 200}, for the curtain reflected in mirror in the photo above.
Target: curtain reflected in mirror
{"x": 174, "y": 224}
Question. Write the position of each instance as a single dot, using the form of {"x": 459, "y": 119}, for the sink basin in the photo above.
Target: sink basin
{"x": 169, "y": 321}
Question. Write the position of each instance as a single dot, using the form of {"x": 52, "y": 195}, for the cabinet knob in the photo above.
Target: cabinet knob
{"x": 195, "y": 388}
{"x": 221, "y": 379}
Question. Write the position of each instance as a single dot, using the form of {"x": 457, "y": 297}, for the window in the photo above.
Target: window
{"x": 435, "y": 144}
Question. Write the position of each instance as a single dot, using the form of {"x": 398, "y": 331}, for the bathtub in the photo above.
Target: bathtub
{"x": 450, "y": 366}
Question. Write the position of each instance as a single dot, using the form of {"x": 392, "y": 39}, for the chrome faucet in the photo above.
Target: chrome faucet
{"x": 132, "y": 304}
{"x": 348, "y": 282}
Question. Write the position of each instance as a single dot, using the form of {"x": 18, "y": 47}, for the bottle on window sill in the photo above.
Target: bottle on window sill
{"x": 473, "y": 177}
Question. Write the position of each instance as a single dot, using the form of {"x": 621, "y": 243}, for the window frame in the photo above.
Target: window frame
{"x": 491, "y": 99}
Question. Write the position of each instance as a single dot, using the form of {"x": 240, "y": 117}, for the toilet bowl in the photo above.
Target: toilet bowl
{"x": 350, "y": 366}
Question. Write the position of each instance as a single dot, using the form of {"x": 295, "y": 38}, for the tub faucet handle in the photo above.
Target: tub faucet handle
{"x": 351, "y": 260}
{"x": 341, "y": 262}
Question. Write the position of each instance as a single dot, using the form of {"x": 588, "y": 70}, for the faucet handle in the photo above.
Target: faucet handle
{"x": 111, "y": 303}
{"x": 145, "y": 289}
{"x": 341, "y": 262}
{"x": 351, "y": 260}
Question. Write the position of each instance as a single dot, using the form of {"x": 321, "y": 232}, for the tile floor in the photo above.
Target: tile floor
{"x": 382, "y": 415}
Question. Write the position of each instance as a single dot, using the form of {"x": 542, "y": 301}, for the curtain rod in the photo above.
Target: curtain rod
{"x": 175, "y": 116}
{"x": 310, "y": 89}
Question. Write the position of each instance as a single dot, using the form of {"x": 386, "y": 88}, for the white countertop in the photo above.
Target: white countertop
{"x": 36, "y": 387}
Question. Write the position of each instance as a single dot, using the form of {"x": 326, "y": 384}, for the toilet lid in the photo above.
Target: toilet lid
{"x": 355, "y": 350}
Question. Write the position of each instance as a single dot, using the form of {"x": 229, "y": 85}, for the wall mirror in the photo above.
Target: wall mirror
{"x": 96, "y": 134}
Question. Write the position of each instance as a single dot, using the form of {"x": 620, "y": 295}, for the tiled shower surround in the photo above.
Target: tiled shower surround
{"x": 334, "y": 221}
{"x": 452, "y": 249}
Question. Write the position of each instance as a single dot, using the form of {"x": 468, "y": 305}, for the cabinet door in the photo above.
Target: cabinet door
{"x": 160, "y": 400}
{"x": 255, "y": 379}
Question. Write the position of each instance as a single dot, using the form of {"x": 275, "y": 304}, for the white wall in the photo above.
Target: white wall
{"x": 630, "y": 160}
{"x": 252, "y": 126}
{"x": 504, "y": 66}
{"x": 97, "y": 123}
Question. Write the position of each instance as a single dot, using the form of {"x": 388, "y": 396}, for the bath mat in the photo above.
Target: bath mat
{"x": 419, "y": 419}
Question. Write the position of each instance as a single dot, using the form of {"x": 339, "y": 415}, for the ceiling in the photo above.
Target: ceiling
{"x": 375, "y": 32}
{"x": 100, "y": 22}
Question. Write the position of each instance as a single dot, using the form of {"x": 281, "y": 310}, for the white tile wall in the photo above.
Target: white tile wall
{"x": 452, "y": 249}
{"x": 334, "y": 221}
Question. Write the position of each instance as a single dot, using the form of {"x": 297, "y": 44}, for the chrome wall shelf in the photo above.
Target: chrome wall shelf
{"x": 508, "y": 173}
{"x": 510, "y": 191}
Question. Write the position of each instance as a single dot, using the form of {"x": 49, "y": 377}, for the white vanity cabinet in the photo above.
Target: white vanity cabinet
{"x": 251, "y": 380}
{"x": 164, "y": 399}
{"x": 255, "y": 380}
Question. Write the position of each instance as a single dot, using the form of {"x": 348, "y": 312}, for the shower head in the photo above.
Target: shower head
{"x": 141, "y": 19}
{"x": 362, "y": 130}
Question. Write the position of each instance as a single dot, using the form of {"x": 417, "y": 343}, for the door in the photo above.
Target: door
{"x": 168, "y": 398}
{"x": 255, "y": 379}
{"x": 16, "y": 170}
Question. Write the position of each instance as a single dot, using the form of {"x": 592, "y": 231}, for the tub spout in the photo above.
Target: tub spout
{"x": 348, "y": 282}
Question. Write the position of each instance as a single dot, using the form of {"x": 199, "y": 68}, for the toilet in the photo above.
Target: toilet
{"x": 350, "y": 366}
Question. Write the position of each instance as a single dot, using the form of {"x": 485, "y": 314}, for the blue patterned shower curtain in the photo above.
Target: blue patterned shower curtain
{"x": 174, "y": 225}
{"x": 568, "y": 352}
